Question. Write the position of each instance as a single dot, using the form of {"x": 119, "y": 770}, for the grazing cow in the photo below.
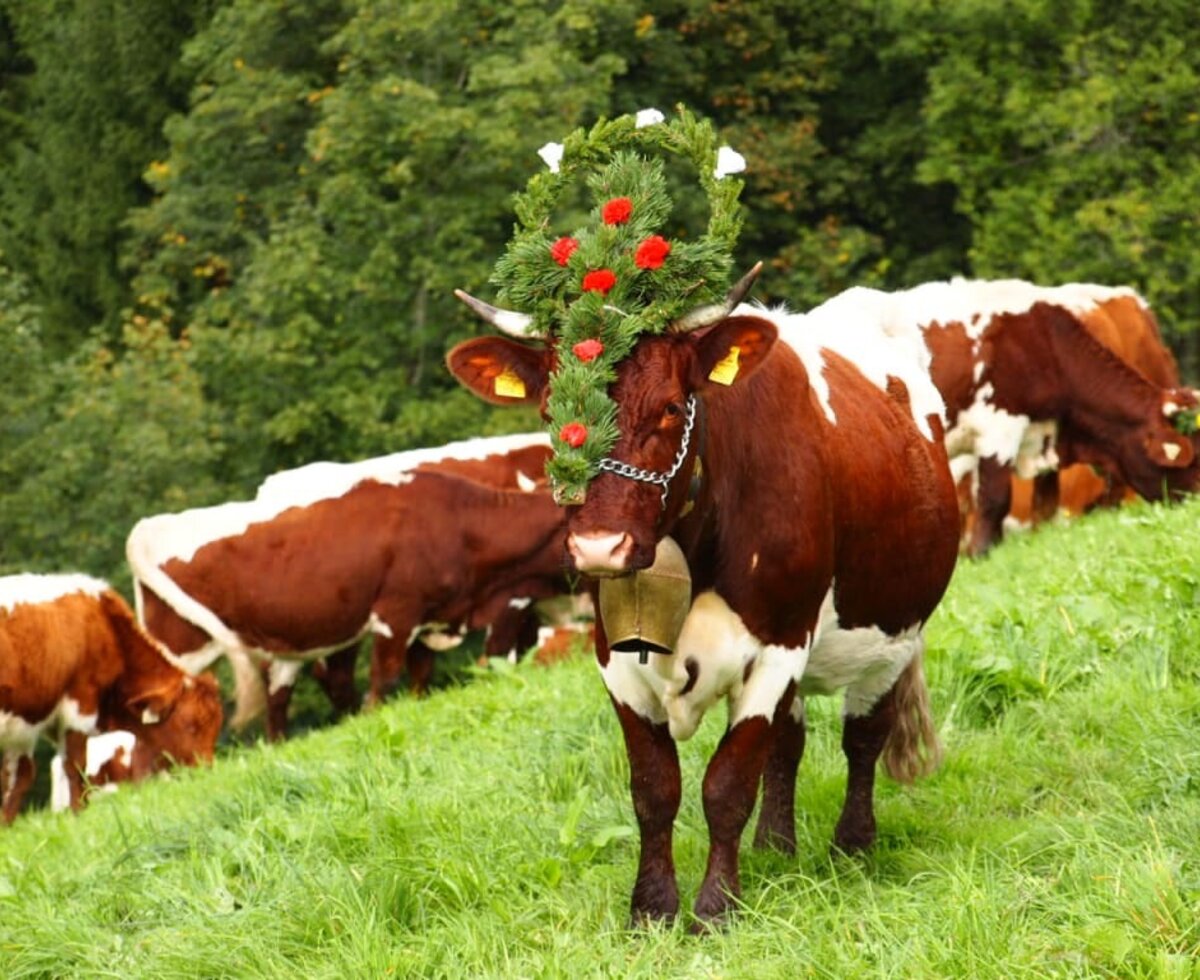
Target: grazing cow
{"x": 264, "y": 580}
{"x": 1027, "y": 385}
{"x": 513, "y": 462}
{"x": 73, "y": 662}
{"x": 821, "y": 536}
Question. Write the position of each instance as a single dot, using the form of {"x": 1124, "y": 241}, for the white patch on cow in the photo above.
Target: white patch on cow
{"x": 282, "y": 673}
{"x": 982, "y": 430}
{"x": 860, "y": 325}
{"x": 754, "y": 561}
{"x": 31, "y": 589}
{"x": 73, "y": 719}
{"x": 526, "y": 483}
{"x": 1170, "y": 409}
{"x": 101, "y": 749}
{"x": 520, "y": 602}
{"x": 865, "y": 661}
{"x": 60, "y": 786}
{"x": 19, "y": 735}
{"x": 378, "y": 626}
{"x": 437, "y": 636}
{"x": 731, "y": 663}
{"x": 321, "y": 481}
{"x": 1171, "y": 450}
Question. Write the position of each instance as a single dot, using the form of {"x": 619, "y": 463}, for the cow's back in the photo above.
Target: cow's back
{"x": 48, "y": 649}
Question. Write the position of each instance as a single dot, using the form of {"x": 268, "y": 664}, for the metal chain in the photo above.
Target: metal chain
{"x": 610, "y": 465}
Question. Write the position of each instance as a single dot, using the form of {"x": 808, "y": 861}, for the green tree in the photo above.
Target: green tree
{"x": 86, "y": 121}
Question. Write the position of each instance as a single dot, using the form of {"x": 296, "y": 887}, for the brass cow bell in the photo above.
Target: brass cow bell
{"x": 643, "y": 612}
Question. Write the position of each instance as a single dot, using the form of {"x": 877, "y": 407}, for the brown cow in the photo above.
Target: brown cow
{"x": 73, "y": 662}
{"x": 1027, "y": 385}
{"x": 513, "y": 462}
{"x": 822, "y": 537}
{"x": 296, "y": 583}
{"x": 1124, "y": 323}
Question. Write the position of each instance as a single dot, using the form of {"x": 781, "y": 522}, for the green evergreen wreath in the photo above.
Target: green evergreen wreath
{"x": 607, "y": 283}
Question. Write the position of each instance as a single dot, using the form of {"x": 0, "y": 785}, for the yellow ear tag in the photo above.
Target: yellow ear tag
{"x": 726, "y": 369}
{"x": 508, "y": 385}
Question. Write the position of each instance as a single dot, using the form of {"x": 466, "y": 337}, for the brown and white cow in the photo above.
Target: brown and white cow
{"x": 822, "y": 537}
{"x": 73, "y": 662}
{"x": 1028, "y": 385}
{"x": 293, "y": 583}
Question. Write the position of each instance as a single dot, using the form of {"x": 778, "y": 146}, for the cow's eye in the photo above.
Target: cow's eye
{"x": 673, "y": 410}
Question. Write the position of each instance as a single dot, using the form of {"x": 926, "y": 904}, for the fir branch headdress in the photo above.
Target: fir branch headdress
{"x": 598, "y": 289}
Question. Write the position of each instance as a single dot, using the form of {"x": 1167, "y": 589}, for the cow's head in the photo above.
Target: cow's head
{"x": 1159, "y": 458}
{"x": 176, "y": 721}
{"x": 659, "y": 391}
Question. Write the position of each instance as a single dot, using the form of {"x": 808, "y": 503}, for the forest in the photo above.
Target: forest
{"x": 230, "y": 230}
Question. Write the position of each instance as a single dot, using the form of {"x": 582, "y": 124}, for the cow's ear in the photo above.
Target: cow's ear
{"x": 732, "y": 350}
{"x": 155, "y": 704}
{"x": 1171, "y": 451}
{"x": 501, "y": 370}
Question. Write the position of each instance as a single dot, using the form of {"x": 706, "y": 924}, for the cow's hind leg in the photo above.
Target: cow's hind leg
{"x": 18, "y": 777}
{"x": 900, "y": 723}
{"x": 280, "y": 675}
{"x": 654, "y": 782}
{"x": 777, "y": 817}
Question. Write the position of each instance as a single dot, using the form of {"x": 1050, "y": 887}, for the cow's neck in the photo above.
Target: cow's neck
{"x": 1072, "y": 376}
{"x": 765, "y": 426}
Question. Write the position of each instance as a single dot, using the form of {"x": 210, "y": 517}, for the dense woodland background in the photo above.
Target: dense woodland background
{"x": 229, "y": 229}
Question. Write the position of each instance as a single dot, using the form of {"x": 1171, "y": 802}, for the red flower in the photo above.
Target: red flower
{"x": 573, "y": 434}
{"x": 652, "y": 253}
{"x": 562, "y": 249}
{"x": 617, "y": 211}
{"x": 588, "y": 350}
{"x": 599, "y": 281}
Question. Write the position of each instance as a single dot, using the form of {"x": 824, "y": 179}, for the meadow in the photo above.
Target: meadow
{"x": 487, "y": 831}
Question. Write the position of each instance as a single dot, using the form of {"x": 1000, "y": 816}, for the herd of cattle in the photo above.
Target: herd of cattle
{"x": 853, "y": 453}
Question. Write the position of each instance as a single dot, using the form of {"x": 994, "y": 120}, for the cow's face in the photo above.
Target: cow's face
{"x": 178, "y": 722}
{"x": 615, "y": 530}
{"x": 1155, "y": 458}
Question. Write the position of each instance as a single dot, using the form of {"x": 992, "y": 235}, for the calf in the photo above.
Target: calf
{"x": 73, "y": 662}
{"x": 294, "y": 583}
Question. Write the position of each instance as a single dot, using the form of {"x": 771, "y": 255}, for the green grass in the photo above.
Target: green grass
{"x": 487, "y": 831}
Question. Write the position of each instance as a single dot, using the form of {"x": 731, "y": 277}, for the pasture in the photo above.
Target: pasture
{"x": 487, "y": 830}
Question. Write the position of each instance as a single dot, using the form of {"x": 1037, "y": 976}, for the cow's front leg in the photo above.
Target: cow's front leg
{"x": 1045, "y": 497}
{"x": 74, "y": 750}
{"x": 863, "y": 739}
{"x": 335, "y": 674}
{"x": 993, "y": 498}
{"x": 730, "y": 789}
{"x": 777, "y": 817}
{"x": 280, "y": 676}
{"x": 654, "y": 782}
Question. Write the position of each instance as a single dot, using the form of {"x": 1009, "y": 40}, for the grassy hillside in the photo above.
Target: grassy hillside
{"x": 488, "y": 831}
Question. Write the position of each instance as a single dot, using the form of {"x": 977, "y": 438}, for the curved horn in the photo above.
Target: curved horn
{"x": 505, "y": 320}
{"x": 706, "y": 316}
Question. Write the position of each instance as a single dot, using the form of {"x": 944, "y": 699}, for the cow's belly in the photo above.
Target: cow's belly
{"x": 20, "y": 736}
{"x": 717, "y": 657}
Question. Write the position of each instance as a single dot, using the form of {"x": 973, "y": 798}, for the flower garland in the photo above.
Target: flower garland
{"x": 600, "y": 287}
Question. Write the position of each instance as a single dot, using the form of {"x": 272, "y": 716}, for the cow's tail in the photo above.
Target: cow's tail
{"x": 912, "y": 748}
{"x": 250, "y": 693}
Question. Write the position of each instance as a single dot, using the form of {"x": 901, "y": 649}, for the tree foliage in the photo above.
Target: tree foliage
{"x": 233, "y": 227}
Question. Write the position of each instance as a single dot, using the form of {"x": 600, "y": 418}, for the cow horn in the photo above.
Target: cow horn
{"x": 706, "y": 316}
{"x": 509, "y": 322}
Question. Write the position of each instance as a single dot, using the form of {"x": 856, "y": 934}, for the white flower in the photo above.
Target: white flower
{"x": 648, "y": 117}
{"x": 729, "y": 161}
{"x": 552, "y": 153}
